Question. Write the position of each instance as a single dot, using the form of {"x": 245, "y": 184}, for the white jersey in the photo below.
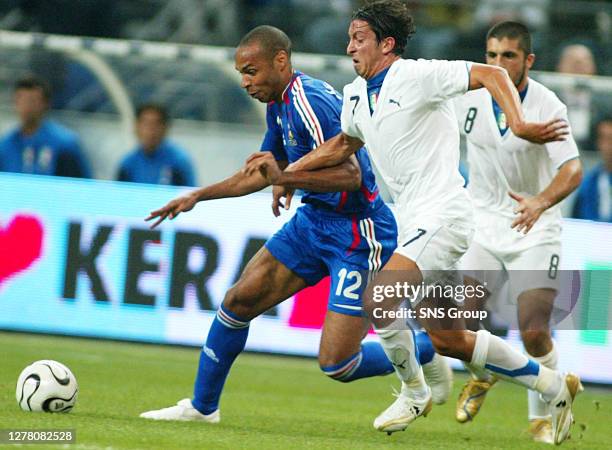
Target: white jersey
{"x": 412, "y": 137}
{"x": 502, "y": 163}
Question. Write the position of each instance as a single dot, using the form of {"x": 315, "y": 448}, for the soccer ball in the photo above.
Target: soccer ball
{"x": 48, "y": 386}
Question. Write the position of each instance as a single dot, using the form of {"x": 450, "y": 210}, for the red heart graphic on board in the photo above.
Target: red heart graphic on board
{"x": 20, "y": 245}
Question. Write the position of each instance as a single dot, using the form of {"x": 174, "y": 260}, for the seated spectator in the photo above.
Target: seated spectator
{"x": 38, "y": 145}
{"x": 594, "y": 198}
{"x": 156, "y": 160}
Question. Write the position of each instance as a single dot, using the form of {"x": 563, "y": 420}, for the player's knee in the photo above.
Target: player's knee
{"x": 238, "y": 303}
{"x": 536, "y": 342}
{"x": 337, "y": 368}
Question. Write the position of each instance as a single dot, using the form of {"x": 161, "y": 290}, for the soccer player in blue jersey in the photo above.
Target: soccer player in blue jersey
{"x": 156, "y": 159}
{"x": 37, "y": 145}
{"x": 343, "y": 229}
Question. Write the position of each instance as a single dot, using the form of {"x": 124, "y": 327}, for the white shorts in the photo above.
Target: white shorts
{"x": 533, "y": 263}
{"x": 434, "y": 246}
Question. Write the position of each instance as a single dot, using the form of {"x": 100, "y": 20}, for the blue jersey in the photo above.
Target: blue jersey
{"x": 51, "y": 150}
{"x": 167, "y": 164}
{"x": 308, "y": 115}
{"x": 594, "y": 197}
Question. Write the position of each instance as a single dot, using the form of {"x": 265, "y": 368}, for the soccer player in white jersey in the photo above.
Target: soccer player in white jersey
{"x": 516, "y": 184}
{"x": 398, "y": 108}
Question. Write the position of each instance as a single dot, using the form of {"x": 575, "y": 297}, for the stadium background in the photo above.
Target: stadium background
{"x": 163, "y": 286}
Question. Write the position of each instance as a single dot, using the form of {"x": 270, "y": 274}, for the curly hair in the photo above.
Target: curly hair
{"x": 388, "y": 18}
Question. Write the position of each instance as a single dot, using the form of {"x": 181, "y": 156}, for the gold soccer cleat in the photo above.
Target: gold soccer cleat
{"x": 471, "y": 399}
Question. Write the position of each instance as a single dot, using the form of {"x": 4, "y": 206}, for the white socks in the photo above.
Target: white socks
{"x": 496, "y": 355}
{"x": 538, "y": 409}
{"x": 399, "y": 347}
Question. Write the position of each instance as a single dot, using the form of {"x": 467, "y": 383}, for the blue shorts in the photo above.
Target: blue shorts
{"x": 317, "y": 242}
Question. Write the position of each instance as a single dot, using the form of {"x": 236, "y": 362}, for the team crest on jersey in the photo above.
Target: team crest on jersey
{"x": 292, "y": 142}
{"x": 373, "y": 99}
{"x": 501, "y": 121}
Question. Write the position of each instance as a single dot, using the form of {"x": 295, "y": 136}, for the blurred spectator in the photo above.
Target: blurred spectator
{"x": 38, "y": 145}
{"x": 594, "y": 198}
{"x": 156, "y": 160}
{"x": 577, "y": 59}
{"x": 583, "y": 105}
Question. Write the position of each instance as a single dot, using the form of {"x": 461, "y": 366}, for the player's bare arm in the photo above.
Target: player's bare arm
{"x": 346, "y": 176}
{"x": 498, "y": 83}
{"x": 237, "y": 185}
{"x": 331, "y": 153}
{"x": 529, "y": 209}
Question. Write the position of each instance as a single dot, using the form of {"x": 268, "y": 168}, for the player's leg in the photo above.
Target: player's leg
{"x": 342, "y": 355}
{"x": 352, "y": 249}
{"x": 365, "y": 245}
{"x": 280, "y": 269}
{"x": 480, "y": 267}
{"x": 264, "y": 283}
{"x": 488, "y": 351}
{"x": 436, "y": 369}
{"x": 534, "y": 283}
{"x": 399, "y": 344}
{"x": 483, "y": 350}
{"x": 474, "y": 392}
{"x": 534, "y": 312}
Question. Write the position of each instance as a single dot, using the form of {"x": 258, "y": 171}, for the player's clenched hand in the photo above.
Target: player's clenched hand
{"x": 542, "y": 133}
{"x": 278, "y": 192}
{"x": 265, "y": 163}
{"x": 173, "y": 208}
{"x": 528, "y": 210}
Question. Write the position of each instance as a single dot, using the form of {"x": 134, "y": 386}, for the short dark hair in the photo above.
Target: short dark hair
{"x": 34, "y": 82}
{"x": 271, "y": 39}
{"x": 156, "y": 107}
{"x": 604, "y": 118}
{"x": 388, "y": 18}
{"x": 512, "y": 30}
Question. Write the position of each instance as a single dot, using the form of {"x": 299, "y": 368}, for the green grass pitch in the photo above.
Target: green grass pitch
{"x": 270, "y": 402}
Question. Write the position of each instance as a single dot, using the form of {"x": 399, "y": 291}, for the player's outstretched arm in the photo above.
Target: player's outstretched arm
{"x": 498, "y": 83}
{"x": 529, "y": 209}
{"x": 237, "y": 185}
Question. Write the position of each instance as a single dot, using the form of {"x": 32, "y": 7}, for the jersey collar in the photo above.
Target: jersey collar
{"x": 285, "y": 95}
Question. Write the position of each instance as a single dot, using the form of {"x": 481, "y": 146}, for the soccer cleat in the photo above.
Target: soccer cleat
{"x": 402, "y": 412}
{"x": 471, "y": 398}
{"x": 541, "y": 430}
{"x": 184, "y": 411}
{"x": 561, "y": 407}
{"x": 439, "y": 377}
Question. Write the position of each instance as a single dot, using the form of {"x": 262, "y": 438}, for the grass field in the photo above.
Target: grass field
{"x": 270, "y": 402}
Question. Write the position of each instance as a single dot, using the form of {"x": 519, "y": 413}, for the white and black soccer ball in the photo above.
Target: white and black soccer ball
{"x": 48, "y": 386}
